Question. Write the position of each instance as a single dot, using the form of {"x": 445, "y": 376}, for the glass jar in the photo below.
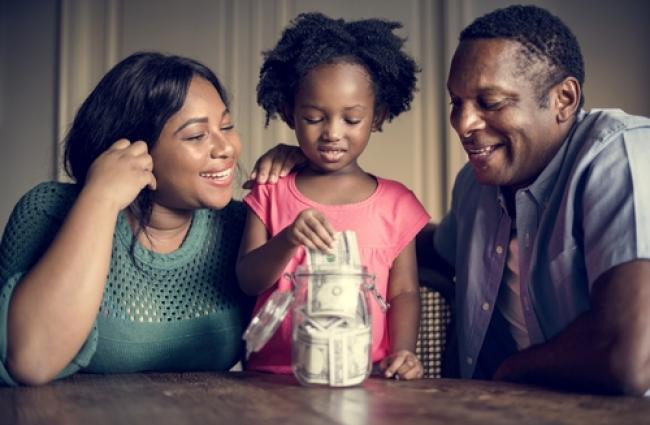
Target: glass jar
{"x": 331, "y": 324}
{"x": 332, "y": 327}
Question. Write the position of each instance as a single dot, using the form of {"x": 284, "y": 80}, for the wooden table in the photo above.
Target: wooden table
{"x": 241, "y": 398}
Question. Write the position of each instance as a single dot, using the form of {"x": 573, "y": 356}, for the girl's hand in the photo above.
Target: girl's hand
{"x": 311, "y": 229}
{"x": 119, "y": 174}
{"x": 402, "y": 364}
{"x": 276, "y": 162}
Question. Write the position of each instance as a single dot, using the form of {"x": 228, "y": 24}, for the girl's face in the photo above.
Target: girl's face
{"x": 333, "y": 116}
{"x": 196, "y": 154}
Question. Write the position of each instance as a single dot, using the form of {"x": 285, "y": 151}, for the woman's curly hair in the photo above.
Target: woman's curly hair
{"x": 313, "y": 39}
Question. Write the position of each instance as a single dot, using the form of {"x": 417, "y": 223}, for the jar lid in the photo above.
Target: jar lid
{"x": 267, "y": 320}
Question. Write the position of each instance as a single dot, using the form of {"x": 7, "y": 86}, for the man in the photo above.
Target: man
{"x": 549, "y": 228}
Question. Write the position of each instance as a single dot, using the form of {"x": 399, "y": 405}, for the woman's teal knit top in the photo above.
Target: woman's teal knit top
{"x": 166, "y": 312}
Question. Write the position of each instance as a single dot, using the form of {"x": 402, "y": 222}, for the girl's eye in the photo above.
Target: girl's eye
{"x": 353, "y": 121}
{"x": 312, "y": 120}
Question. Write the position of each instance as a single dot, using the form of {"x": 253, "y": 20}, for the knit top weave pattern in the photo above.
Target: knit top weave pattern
{"x": 178, "y": 311}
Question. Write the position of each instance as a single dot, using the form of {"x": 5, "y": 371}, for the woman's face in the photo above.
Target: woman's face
{"x": 196, "y": 155}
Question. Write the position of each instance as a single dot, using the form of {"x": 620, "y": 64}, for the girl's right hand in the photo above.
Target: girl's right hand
{"x": 312, "y": 230}
{"x": 119, "y": 174}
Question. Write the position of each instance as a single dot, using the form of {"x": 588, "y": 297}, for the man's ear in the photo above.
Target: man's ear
{"x": 568, "y": 94}
{"x": 380, "y": 116}
{"x": 287, "y": 116}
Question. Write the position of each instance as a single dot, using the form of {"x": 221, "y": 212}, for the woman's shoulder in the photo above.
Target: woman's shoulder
{"x": 50, "y": 198}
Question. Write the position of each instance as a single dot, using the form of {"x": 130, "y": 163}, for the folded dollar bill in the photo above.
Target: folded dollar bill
{"x": 335, "y": 278}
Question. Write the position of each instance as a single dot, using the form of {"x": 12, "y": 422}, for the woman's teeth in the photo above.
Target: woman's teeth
{"x": 217, "y": 176}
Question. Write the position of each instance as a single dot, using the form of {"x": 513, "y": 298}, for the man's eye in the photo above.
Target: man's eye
{"x": 228, "y": 127}
{"x": 491, "y": 106}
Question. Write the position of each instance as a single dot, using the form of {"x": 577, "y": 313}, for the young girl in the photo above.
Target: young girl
{"x": 334, "y": 83}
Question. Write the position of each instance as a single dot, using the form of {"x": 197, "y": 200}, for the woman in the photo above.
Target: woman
{"x": 132, "y": 267}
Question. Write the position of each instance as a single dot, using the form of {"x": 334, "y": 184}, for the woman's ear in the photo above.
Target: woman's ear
{"x": 568, "y": 98}
{"x": 380, "y": 116}
{"x": 286, "y": 114}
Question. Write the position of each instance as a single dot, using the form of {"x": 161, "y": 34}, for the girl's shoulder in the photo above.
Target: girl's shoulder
{"x": 392, "y": 187}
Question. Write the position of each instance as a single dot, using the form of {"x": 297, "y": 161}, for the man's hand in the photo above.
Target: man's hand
{"x": 275, "y": 163}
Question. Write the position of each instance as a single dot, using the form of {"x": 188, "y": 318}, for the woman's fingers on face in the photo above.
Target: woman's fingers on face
{"x": 144, "y": 161}
{"x": 152, "y": 181}
{"x": 120, "y": 144}
{"x": 138, "y": 148}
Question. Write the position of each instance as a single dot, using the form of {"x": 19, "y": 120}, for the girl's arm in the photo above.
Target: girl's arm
{"x": 54, "y": 306}
{"x": 262, "y": 260}
{"x": 403, "y": 316}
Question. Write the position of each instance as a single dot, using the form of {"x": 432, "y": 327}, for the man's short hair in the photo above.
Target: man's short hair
{"x": 543, "y": 37}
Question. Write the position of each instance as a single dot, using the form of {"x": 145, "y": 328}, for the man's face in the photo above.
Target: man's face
{"x": 509, "y": 138}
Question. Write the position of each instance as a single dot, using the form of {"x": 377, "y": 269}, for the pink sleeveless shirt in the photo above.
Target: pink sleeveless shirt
{"x": 384, "y": 223}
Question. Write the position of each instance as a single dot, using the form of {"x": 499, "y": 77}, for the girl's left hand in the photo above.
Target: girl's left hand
{"x": 402, "y": 364}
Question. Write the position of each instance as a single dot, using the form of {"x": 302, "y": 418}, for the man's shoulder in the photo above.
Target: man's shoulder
{"x": 601, "y": 125}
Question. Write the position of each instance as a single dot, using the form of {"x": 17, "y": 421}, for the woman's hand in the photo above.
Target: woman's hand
{"x": 311, "y": 229}
{"x": 275, "y": 163}
{"x": 119, "y": 174}
{"x": 402, "y": 364}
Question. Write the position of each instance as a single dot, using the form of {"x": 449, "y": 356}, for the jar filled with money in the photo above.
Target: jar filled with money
{"x": 331, "y": 339}
{"x": 331, "y": 324}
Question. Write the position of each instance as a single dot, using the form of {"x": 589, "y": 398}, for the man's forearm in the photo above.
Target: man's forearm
{"x": 581, "y": 358}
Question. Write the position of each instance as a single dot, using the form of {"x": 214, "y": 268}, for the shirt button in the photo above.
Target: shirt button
{"x": 485, "y": 306}
{"x": 499, "y": 249}
{"x": 469, "y": 360}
